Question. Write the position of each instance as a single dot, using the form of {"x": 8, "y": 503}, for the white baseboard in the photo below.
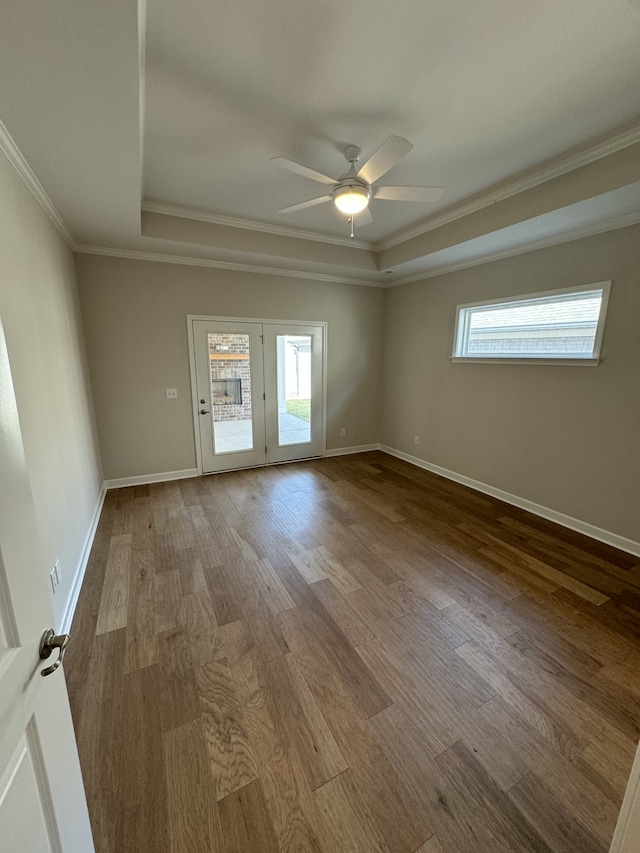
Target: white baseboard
{"x": 591, "y": 530}
{"x": 613, "y": 539}
{"x": 345, "y": 451}
{"x": 145, "y": 479}
{"x": 76, "y": 586}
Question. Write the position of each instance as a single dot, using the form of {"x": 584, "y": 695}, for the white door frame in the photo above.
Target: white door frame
{"x": 626, "y": 838}
{"x": 265, "y": 321}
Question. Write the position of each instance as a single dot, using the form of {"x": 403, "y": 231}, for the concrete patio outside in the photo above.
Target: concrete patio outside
{"x": 235, "y": 436}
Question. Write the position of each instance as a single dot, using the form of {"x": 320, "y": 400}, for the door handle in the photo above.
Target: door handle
{"x": 205, "y": 411}
{"x": 50, "y": 641}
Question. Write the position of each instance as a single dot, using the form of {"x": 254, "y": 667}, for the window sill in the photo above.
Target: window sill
{"x": 568, "y": 362}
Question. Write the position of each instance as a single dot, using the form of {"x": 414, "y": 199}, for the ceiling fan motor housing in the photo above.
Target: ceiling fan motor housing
{"x": 352, "y": 154}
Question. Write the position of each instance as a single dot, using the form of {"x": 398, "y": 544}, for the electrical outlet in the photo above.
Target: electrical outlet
{"x": 343, "y": 431}
{"x": 416, "y": 439}
{"x": 172, "y": 393}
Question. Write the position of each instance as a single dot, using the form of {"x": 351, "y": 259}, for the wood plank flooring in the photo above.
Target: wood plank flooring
{"x": 350, "y": 655}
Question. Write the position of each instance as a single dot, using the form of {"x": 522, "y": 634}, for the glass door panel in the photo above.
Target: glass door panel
{"x": 293, "y": 368}
{"x": 230, "y": 390}
{"x": 231, "y": 407}
{"x": 294, "y": 408}
{"x": 258, "y": 392}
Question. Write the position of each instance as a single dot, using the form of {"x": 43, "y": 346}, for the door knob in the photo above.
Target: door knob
{"x": 205, "y": 411}
{"x": 50, "y": 641}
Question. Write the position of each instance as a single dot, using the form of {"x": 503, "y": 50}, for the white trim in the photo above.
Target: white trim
{"x": 566, "y": 362}
{"x": 263, "y": 320}
{"x": 624, "y": 221}
{"x": 613, "y": 539}
{"x": 191, "y": 343}
{"x": 345, "y": 451}
{"x": 542, "y": 295}
{"x": 250, "y": 225}
{"x": 545, "y": 297}
{"x": 74, "y": 592}
{"x": 626, "y": 838}
{"x": 22, "y": 168}
{"x": 135, "y": 255}
{"x": 528, "y": 180}
{"x": 144, "y": 479}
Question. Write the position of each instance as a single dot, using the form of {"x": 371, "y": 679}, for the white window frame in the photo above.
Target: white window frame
{"x": 463, "y": 315}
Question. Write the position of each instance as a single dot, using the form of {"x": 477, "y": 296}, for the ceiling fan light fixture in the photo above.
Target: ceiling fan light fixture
{"x": 352, "y": 198}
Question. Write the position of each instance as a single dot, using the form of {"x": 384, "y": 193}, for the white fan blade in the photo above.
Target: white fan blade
{"x": 299, "y": 169}
{"x": 304, "y": 204}
{"x": 408, "y": 193}
{"x": 390, "y": 152}
{"x": 363, "y": 218}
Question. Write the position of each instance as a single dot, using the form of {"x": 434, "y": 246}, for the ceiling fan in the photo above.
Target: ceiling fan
{"x": 352, "y": 192}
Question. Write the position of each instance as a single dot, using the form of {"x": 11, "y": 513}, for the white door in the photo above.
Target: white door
{"x": 42, "y": 800}
{"x": 294, "y": 409}
{"x": 258, "y": 392}
{"x": 228, "y": 407}
{"x": 626, "y": 838}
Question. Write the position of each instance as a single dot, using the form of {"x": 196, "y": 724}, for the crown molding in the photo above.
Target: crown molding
{"x": 554, "y": 240}
{"x": 135, "y": 255}
{"x": 24, "y": 171}
{"x": 250, "y": 225}
{"x": 530, "y": 178}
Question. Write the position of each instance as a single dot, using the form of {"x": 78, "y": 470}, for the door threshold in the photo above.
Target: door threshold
{"x": 261, "y": 465}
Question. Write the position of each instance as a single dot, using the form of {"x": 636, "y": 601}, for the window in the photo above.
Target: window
{"x": 556, "y": 326}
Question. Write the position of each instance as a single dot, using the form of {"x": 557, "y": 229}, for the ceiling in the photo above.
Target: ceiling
{"x": 151, "y": 130}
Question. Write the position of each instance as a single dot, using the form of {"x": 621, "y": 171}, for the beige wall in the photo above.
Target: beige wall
{"x": 135, "y": 324}
{"x": 41, "y": 318}
{"x": 563, "y": 437}
{"x": 567, "y": 438}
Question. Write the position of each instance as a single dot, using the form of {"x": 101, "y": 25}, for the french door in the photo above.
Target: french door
{"x": 258, "y": 392}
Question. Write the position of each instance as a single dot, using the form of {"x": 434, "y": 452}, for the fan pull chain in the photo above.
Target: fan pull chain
{"x": 350, "y": 220}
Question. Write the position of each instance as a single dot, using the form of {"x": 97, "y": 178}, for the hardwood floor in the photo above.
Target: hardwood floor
{"x": 350, "y": 655}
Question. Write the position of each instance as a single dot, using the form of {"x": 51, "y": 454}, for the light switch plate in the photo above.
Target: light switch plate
{"x": 55, "y": 577}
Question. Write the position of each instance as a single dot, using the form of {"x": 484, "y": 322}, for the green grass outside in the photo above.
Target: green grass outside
{"x": 300, "y": 408}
